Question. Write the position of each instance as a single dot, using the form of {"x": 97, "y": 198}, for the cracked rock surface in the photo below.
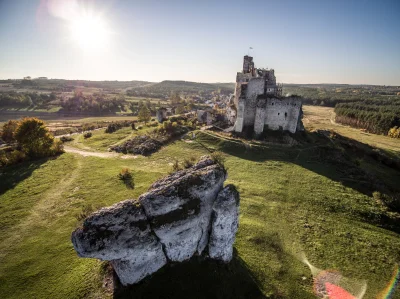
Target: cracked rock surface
{"x": 180, "y": 216}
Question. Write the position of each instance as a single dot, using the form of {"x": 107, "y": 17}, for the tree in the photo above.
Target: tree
{"x": 35, "y": 139}
{"x": 9, "y": 130}
{"x": 144, "y": 114}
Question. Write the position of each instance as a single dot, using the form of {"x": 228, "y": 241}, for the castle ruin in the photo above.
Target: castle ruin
{"x": 259, "y": 103}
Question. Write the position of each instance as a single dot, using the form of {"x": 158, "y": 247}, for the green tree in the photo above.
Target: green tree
{"x": 8, "y": 131}
{"x": 144, "y": 114}
{"x": 35, "y": 139}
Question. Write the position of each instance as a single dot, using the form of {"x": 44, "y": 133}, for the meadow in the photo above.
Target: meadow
{"x": 293, "y": 201}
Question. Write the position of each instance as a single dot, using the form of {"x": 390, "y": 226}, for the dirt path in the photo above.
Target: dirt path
{"x": 74, "y": 150}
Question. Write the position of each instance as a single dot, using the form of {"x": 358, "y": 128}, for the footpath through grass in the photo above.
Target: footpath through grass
{"x": 290, "y": 203}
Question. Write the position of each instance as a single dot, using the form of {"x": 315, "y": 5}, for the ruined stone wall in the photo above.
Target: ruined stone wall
{"x": 240, "y": 115}
{"x": 283, "y": 113}
{"x": 240, "y": 78}
{"x": 260, "y": 116}
{"x": 255, "y": 87}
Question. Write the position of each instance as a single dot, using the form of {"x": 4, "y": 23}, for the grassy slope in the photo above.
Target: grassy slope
{"x": 290, "y": 204}
{"x": 102, "y": 141}
{"x": 317, "y": 117}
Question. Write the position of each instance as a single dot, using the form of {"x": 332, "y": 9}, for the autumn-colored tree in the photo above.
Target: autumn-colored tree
{"x": 8, "y": 131}
{"x": 35, "y": 139}
{"x": 144, "y": 114}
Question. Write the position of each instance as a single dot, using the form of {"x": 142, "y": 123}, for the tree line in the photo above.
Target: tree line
{"x": 376, "y": 116}
{"x": 99, "y": 103}
{"x": 25, "y": 99}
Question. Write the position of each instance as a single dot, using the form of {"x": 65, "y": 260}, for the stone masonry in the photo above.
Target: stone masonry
{"x": 259, "y": 102}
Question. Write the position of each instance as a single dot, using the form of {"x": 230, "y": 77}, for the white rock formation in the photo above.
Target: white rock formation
{"x": 172, "y": 221}
{"x": 121, "y": 234}
{"x": 225, "y": 223}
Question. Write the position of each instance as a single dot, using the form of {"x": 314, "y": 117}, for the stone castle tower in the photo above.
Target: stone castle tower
{"x": 259, "y": 102}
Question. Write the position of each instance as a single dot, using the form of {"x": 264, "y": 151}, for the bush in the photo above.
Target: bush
{"x": 219, "y": 159}
{"x": 394, "y": 132}
{"x": 111, "y": 128}
{"x": 57, "y": 147}
{"x": 126, "y": 176}
{"x": 11, "y": 158}
{"x": 66, "y": 139}
{"x": 175, "y": 166}
{"x": 86, "y": 211}
{"x": 35, "y": 139}
{"x": 8, "y": 131}
{"x": 87, "y": 135}
{"x": 187, "y": 163}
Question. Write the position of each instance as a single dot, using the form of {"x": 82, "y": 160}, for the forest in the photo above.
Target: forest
{"x": 95, "y": 103}
{"x": 374, "y": 115}
{"x": 16, "y": 99}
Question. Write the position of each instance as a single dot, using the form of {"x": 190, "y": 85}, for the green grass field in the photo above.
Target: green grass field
{"x": 291, "y": 202}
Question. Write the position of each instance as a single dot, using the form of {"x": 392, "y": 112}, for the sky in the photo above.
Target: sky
{"x": 349, "y": 42}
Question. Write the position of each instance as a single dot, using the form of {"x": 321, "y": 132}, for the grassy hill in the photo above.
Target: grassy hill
{"x": 314, "y": 198}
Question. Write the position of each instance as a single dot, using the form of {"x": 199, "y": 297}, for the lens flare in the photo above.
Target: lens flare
{"x": 388, "y": 291}
{"x": 331, "y": 284}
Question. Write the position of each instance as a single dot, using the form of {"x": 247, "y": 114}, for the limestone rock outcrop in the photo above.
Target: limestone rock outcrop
{"x": 225, "y": 223}
{"x": 186, "y": 213}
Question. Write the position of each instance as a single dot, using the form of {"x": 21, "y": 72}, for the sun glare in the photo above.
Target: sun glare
{"x": 89, "y": 32}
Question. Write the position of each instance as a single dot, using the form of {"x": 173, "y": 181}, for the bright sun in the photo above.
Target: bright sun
{"x": 89, "y": 32}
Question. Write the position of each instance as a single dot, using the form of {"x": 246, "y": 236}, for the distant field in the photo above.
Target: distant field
{"x": 316, "y": 117}
{"x": 52, "y": 117}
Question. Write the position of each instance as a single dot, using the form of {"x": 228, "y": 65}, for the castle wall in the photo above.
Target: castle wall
{"x": 255, "y": 87}
{"x": 240, "y": 78}
{"x": 260, "y": 116}
{"x": 283, "y": 113}
{"x": 240, "y": 115}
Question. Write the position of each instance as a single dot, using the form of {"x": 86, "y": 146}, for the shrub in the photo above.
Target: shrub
{"x": 8, "y": 131}
{"x": 34, "y": 138}
{"x": 66, "y": 139}
{"x": 126, "y": 176}
{"x": 394, "y": 132}
{"x": 86, "y": 211}
{"x": 57, "y": 147}
{"x": 219, "y": 159}
{"x": 87, "y": 135}
{"x": 111, "y": 128}
{"x": 176, "y": 166}
{"x": 11, "y": 158}
{"x": 187, "y": 163}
